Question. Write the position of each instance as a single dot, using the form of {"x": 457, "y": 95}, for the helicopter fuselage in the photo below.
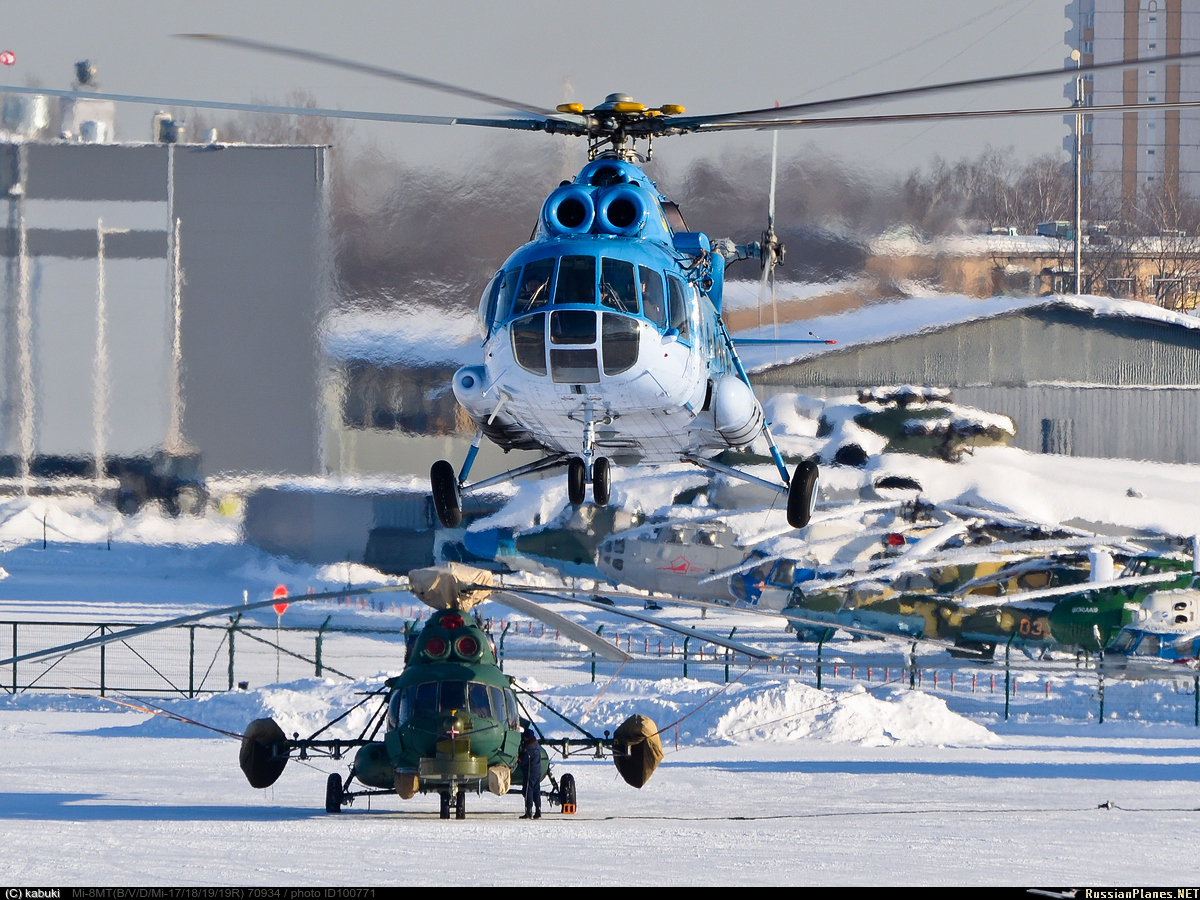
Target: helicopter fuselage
{"x": 602, "y": 334}
{"x": 452, "y": 717}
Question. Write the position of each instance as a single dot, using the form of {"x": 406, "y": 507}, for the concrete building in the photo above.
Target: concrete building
{"x": 1137, "y": 155}
{"x": 105, "y": 354}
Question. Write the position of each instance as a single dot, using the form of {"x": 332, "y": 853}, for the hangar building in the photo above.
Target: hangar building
{"x": 1080, "y": 376}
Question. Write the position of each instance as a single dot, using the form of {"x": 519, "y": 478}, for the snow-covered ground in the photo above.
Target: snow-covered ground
{"x": 765, "y": 781}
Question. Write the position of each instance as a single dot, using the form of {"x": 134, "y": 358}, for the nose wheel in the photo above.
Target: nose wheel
{"x": 601, "y": 486}
{"x": 577, "y": 479}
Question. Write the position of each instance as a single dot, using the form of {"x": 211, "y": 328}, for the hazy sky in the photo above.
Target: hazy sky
{"x": 707, "y": 56}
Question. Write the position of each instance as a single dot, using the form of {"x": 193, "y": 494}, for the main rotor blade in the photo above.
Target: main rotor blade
{"x": 520, "y": 124}
{"x": 112, "y": 637}
{"x": 378, "y": 71}
{"x": 944, "y": 87}
{"x": 735, "y": 646}
{"x": 763, "y": 124}
{"x": 572, "y": 630}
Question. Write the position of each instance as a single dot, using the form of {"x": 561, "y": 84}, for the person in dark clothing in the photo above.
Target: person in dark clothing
{"x": 529, "y": 763}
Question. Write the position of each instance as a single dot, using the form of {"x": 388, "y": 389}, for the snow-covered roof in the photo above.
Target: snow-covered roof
{"x": 417, "y": 336}
{"x": 915, "y": 315}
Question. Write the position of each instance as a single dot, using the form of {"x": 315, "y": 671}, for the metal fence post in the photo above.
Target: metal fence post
{"x": 14, "y": 653}
{"x": 233, "y": 624}
{"x": 320, "y": 639}
{"x": 191, "y": 660}
{"x": 685, "y": 649}
{"x": 103, "y": 647}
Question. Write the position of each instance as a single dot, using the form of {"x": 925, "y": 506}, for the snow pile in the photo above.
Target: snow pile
{"x": 795, "y": 711}
{"x": 699, "y": 712}
{"x": 300, "y": 706}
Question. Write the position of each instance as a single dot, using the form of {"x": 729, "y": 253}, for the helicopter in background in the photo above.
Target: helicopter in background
{"x": 604, "y": 341}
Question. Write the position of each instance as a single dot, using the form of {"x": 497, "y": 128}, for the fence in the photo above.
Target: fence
{"x": 190, "y": 659}
{"x": 196, "y": 659}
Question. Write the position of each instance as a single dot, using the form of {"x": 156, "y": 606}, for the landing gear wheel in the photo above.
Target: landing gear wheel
{"x": 444, "y": 812}
{"x": 460, "y": 804}
{"x": 333, "y": 793}
{"x": 802, "y": 494}
{"x": 576, "y": 481}
{"x": 601, "y": 481}
{"x": 566, "y": 792}
{"x": 446, "y": 498}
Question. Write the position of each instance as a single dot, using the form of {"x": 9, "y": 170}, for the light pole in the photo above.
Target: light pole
{"x": 1075, "y": 55}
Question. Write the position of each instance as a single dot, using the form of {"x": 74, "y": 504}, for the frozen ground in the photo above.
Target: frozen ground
{"x": 766, "y": 782}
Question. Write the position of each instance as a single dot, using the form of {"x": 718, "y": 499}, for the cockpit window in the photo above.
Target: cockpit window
{"x": 534, "y": 288}
{"x": 680, "y": 314}
{"x": 652, "y": 296}
{"x": 616, "y": 285}
{"x": 576, "y": 281}
{"x": 572, "y": 326}
{"x": 529, "y": 343}
{"x": 454, "y": 696}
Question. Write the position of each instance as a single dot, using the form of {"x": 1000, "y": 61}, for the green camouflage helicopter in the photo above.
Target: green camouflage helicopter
{"x": 1034, "y": 604}
{"x": 451, "y": 721}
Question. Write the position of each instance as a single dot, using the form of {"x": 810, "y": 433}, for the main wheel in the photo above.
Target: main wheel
{"x": 446, "y": 498}
{"x": 460, "y": 804}
{"x": 601, "y": 481}
{"x": 444, "y": 812}
{"x": 802, "y": 494}
{"x": 333, "y": 793}
{"x": 566, "y": 792}
{"x": 576, "y": 481}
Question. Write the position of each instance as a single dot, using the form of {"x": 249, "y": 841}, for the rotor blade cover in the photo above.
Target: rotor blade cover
{"x": 637, "y": 751}
{"x": 451, "y": 586}
{"x": 264, "y": 752}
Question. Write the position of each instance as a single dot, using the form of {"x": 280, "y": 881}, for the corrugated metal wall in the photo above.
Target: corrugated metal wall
{"x": 1072, "y": 382}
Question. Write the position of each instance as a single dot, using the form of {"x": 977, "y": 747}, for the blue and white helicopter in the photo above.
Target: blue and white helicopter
{"x": 603, "y": 336}
{"x": 603, "y": 343}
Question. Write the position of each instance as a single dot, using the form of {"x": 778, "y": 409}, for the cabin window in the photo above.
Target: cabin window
{"x": 652, "y": 296}
{"x": 574, "y": 366}
{"x": 534, "y": 287}
{"x": 620, "y": 343}
{"x": 398, "y": 710}
{"x": 616, "y": 285}
{"x": 576, "y": 281}
{"x": 572, "y": 326}
{"x": 680, "y": 315}
{"x": 529, "y": 343}
{"x": 496, "y": 698}
{"x": 510, "y": 706}
{"x": 477, "y": 697}
{"x": 425, "y": 702}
